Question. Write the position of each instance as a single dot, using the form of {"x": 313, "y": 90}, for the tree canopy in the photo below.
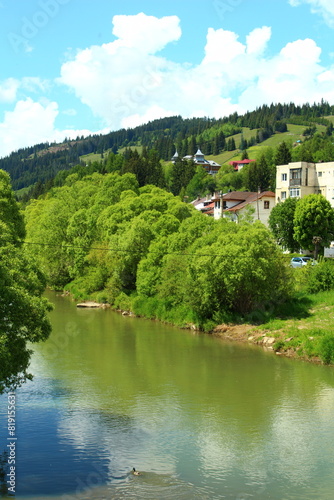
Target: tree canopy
{"x": 314, "y": 218}
{"x": 141, "y": 248}
{"x": 23, "y": 310}
{"x": 281, "y": 223}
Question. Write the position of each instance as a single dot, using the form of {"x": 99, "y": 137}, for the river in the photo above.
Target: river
{"x": 199, "y": 417}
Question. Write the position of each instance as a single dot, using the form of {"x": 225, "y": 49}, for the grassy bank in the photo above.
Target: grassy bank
{"x": 309, "y": 333}
{"x": 301, "y": 326}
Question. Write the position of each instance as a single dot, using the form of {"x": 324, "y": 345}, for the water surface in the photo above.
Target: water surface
{"x": 200, "y": 417}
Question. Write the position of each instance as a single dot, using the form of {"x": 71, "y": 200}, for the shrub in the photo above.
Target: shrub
{"x": 326, "y": 349}
{"x": 321, "y": 277}
{"x": 278, "y": 345}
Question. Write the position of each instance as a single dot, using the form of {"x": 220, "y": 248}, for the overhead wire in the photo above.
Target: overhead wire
{"x": 108, "y": 249}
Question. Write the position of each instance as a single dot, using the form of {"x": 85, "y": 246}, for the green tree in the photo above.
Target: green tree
{"x": 263, "y": 173}
{"x": 314, "y": 222}
{"x": 177, "y": 176}
{"x": 281, "y": 223}
{"x": 259, "y": 175}
{"x": 283, "y": 154}
{"x": 23, "y": 310}
{"x": 9, "y": 210}
{"x": 234, "y": 267}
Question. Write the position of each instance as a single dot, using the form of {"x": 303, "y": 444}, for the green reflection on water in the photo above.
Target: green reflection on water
{"x": 229, "y": 418}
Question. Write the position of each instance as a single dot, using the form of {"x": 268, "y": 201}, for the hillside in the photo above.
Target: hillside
{"x": 219, "y": 139}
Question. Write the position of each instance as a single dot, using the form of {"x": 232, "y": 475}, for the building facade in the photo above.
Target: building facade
{"x": 298, "y": 179}
{"x": 209, "y": 165}
{"x": 237, "y": 203}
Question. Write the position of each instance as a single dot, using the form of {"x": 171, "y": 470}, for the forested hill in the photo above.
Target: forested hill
{"x": 40, "y": 163}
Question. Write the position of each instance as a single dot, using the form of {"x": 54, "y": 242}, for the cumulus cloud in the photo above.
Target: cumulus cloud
{"x": 257, "y": 40}
{"x": 126, "y": 82}
{"x": 132, "y": 32}
{"x": 31, "y": 123}
{"x": 325, "y": 8}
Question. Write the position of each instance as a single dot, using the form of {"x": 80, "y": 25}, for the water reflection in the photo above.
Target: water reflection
{"x": 201, "y": 418}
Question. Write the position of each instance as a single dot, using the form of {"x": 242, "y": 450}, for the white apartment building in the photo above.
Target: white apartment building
{"x": 300, "y": 178}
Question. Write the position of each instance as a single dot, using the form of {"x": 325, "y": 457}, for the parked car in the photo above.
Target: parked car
{"x": 302, "y": 261}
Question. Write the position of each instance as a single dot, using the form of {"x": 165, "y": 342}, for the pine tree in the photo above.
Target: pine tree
{"x": 221, "y": 139}
{"x": 192, "y": 147}
{"x": 216, "y": 146}
{"x": 283, "y": 154}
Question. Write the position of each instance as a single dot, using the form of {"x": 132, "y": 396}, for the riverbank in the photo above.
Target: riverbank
{"x": 307, "y": 334}
{"x": 276, "y": 342}
{"x": 301, "y": 330}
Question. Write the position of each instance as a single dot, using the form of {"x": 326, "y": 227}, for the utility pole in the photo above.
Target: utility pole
{"x": 257, "y": 203}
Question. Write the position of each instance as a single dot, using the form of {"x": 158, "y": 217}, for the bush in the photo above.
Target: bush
{"x": 326, "y": 349}
{"x": 320, "y": 278}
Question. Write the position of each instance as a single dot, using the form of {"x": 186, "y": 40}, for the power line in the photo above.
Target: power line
{"x": 108, "y": 249}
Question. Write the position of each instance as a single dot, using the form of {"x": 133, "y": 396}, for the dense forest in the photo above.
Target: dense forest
{"x": 41, "y": 163}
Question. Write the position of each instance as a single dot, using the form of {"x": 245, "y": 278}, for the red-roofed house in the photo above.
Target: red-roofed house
{"x": 205, "y": 205}
{"x": 238, "y": 164}
{"x": 235, "y": 203}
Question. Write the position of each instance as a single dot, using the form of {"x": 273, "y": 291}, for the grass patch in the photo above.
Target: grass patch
{"x": 304, "y": 325}
{"x": 90, "y": 158}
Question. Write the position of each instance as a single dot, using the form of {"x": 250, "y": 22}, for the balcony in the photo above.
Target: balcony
{"x": 296, "y": 182}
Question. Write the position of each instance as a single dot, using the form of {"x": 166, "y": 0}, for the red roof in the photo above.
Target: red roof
{"x": 240, "y": 162}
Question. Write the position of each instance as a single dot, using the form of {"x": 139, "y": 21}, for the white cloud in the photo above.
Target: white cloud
{"x": 126, "y": 83}
{"x": 8, "y": 90}
{"x": 257, "y": 40}
{"x": 145, "y": 33}
{"x": 323, "y": 7}
{"x": 28, "y": 124}
{"x": 31, "y": 123}
{"x": 222, "y": 47}
{"x": 291, "y": 76}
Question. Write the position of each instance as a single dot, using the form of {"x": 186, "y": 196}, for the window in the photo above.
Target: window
{"x": 284, "y": 177}
{"x": 283, "y": 195}
{"x": 266, "y": 204}
{"x": 319, "y": 174}
{"x": 217, "y": 204}
{"x": 295, "y": 193}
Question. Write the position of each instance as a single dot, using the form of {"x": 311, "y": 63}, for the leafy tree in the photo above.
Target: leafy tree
{"x": 23, "y": 310}
{"x": 196, "y": 186}
{"x": 9, "y": 209}
{"x": 234, "y": 268}
{"x": 314, "y": 222}
{"x": 281, "y": 223}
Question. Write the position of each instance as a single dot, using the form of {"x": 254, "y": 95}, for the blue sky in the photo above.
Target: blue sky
{"x": 75, "y": 67}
